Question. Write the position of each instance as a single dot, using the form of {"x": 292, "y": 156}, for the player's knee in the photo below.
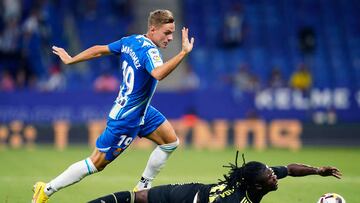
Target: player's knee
{"x": 170, "y": 147}
{"x": 100, "y": 167}
{"x": 99, "y": 162}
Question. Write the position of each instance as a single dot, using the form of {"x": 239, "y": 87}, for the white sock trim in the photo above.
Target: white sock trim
{"x": 170, "y": 147}
{"x": 90, "y": 166}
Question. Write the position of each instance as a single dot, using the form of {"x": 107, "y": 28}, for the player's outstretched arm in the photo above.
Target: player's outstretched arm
{"x": 304, "y": 170}
{"x": 164, "y": 70}
{"x": 92, "y": 52}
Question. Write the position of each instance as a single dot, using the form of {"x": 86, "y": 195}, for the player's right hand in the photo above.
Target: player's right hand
{"x": 186, "y": 44}
{"x": 63, "y": 55}
{"x": 329, "y": 171}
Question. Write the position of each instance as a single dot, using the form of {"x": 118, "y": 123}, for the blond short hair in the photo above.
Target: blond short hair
{"x": 160, "y": 17}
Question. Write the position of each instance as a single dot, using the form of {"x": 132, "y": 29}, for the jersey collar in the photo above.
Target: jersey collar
{"x": 148, "y": 40}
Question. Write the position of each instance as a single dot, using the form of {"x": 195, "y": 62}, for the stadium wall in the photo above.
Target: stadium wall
{"x": 319, "y": 105}
{"x": 203, "y": 119}
{"x": 193, "y": 132}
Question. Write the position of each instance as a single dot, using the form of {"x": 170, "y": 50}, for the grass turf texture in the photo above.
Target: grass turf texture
{"x": 20, "y": 169}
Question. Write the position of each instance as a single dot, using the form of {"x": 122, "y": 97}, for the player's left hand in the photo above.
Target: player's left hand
{"x": 329, "y": 171}
{"x": 186, "y": 44}
{"x": 64, "y": 56}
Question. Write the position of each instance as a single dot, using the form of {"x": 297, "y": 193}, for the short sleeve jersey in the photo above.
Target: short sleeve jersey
{"x": 138, "y": 56}
{"x": 218, "y": 194}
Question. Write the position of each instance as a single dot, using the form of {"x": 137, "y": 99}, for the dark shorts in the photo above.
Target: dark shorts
{"x": 174, "y": 193}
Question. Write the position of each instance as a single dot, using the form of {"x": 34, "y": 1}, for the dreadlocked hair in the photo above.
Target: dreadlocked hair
{"x": 242, "y": 177}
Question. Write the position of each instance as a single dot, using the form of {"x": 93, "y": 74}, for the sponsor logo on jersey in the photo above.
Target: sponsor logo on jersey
{"x": 155, "y": 57}
{"x": 117, "y": 152}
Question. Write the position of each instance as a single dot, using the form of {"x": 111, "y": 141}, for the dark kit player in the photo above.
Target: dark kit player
{"x": 245, "y": 184}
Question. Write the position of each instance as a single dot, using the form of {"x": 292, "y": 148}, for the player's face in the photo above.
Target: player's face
{"x": 162, "y": 35}
{"x": 269, "y": 180}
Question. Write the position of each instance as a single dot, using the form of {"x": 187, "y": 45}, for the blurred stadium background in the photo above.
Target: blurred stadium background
{"x": 277, "y": 79}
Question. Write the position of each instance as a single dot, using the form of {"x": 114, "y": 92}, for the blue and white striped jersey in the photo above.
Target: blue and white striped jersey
{"x": 138, "y": 57}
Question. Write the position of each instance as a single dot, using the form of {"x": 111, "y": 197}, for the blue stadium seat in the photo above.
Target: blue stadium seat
{"x": 272, "y": 38}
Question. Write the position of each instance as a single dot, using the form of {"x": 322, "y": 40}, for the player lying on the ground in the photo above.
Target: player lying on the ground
{"x": 245, "y": 184}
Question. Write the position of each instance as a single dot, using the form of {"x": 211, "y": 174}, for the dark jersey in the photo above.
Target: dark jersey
{"x": 219, "y": 194}
{"x": 206, "y": 193}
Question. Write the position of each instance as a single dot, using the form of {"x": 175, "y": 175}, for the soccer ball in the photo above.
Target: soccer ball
{"x": 331, "y": 198}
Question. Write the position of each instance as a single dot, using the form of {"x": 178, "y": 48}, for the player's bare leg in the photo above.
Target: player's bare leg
{"x": 164, "y": 136}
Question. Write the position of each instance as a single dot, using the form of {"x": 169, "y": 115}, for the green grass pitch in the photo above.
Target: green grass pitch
{"x": 20, "y": 169}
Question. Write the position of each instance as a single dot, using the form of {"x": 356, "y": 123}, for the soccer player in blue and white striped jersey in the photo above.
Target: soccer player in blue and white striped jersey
{"x": 131, "y": 115}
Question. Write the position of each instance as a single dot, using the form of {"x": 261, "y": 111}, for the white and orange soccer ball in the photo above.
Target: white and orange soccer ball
{"x": 331, "y": 198}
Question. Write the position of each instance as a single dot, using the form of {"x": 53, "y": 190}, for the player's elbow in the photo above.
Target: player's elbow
{"x": 159, "y": 78}
{"x": 157, "y": 75}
